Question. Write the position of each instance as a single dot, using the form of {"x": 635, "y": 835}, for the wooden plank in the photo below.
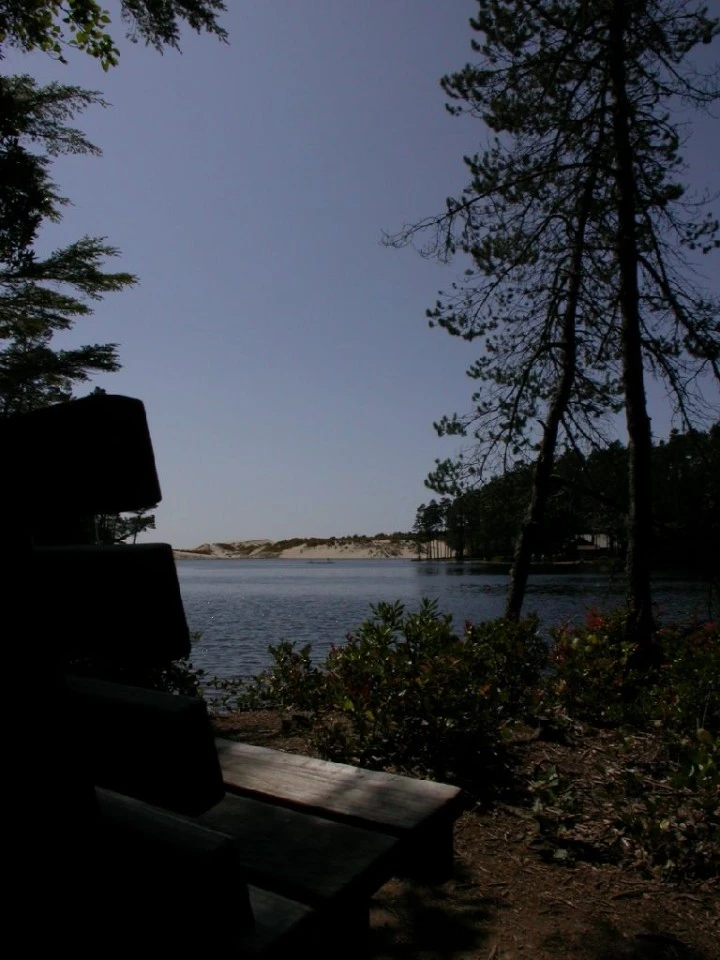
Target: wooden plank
{"x": 185, "y": 862}
{"x": 83, "y": 457}
{"x": 307, "y": 858}
{"x": 154, "y": 864}
{"x": 117, "y": 604}
{"x": 390, "y": 802}
{"x": 420, "y": 812}
{"x": 153, "y": 746}
{"x": 283, "y": 928}
{"x": 174, "y": 836}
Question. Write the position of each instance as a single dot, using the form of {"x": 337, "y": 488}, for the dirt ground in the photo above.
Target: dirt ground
{"x": 510, "y": 897}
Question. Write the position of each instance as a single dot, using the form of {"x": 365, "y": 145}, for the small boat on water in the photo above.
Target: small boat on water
{"x": 327, "y": 560}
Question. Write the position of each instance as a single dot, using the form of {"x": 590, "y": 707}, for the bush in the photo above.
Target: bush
{"x": 592, "y": 673}
{"x": 292, "y": 683}
{"x": 414, "y": 694}
{"x": 687, "y": 695}
{"x": 666, "y": 818}
{"x": 405, "y": 690}
{"x": 594, "y": 678}
{"x": 408, "y": 692}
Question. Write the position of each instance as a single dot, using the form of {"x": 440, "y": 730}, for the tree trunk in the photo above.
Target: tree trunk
{"x": 460, "y": 543}
{"x": 546, "y": 457}
{"x": 639, "y": 524}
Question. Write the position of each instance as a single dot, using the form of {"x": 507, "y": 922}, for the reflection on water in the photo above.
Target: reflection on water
{"x": 242, "y": 606}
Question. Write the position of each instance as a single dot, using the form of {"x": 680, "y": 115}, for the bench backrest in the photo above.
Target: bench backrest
{"x": 92, "y": 617}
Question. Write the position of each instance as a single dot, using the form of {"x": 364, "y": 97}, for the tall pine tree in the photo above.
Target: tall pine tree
{"x": 578, "y": 230}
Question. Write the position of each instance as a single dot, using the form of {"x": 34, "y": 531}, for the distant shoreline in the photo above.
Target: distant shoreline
{"x": 312, "y": 549}
{"x": 189, "y": 555}
{"x": 315, "y": 550}
{"x": 320, "y": 553}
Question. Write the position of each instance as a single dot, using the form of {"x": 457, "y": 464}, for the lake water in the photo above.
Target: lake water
{"x": 242, "y": 606}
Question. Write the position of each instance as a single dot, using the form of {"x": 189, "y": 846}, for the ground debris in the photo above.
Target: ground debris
{"x": 512, "y": 897}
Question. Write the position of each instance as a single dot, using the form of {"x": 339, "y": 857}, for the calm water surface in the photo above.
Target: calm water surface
{"x": 242, "y": 606}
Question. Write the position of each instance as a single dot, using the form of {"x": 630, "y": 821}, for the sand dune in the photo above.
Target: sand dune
{"x": 345, "y": 548}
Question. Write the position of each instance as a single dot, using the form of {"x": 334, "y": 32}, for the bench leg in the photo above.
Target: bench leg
{"x": 346, "y": 935}
{"x": 430, "y": 857}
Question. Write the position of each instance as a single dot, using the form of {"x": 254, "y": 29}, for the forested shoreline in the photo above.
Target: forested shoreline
{"x": 586, "y": 517}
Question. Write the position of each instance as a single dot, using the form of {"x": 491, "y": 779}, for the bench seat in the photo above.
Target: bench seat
{"x": 420, "y": 814}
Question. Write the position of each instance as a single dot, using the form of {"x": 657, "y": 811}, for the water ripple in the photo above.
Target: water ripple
{"x": 242, "y": 606}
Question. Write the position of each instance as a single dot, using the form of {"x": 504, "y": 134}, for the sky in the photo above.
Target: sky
{"x": 283, "y": 355}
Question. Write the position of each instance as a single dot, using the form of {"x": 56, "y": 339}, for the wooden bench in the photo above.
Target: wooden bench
{"x": 178, "y": 843}
{"x": 420, "y": 813}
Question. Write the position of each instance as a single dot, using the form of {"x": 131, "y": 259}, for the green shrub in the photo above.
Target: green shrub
{"x": 687, "y": 694}
{"x": 594, "y": 678}
{"x": 666, "y": 817}
{"x": 408, "y": 692}
{"x": 405, "y": 690}
{"x": 592, "y": 675}
{"x": 292, "y": 683}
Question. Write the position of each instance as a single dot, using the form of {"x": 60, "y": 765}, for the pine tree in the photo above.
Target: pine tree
{"x": 41, "y": 296}
{"x": 577, "y": 229}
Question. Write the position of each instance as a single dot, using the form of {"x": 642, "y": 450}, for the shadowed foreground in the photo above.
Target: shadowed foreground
{"x": 509, "y": 898}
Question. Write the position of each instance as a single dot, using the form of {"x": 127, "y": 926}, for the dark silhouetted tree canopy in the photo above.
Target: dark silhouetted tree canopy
{"x": 57, "y": 26}
{"x": 41, "y": 296}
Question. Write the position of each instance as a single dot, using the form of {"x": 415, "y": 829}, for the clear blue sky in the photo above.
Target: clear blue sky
{"x": 288, "y": 372}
